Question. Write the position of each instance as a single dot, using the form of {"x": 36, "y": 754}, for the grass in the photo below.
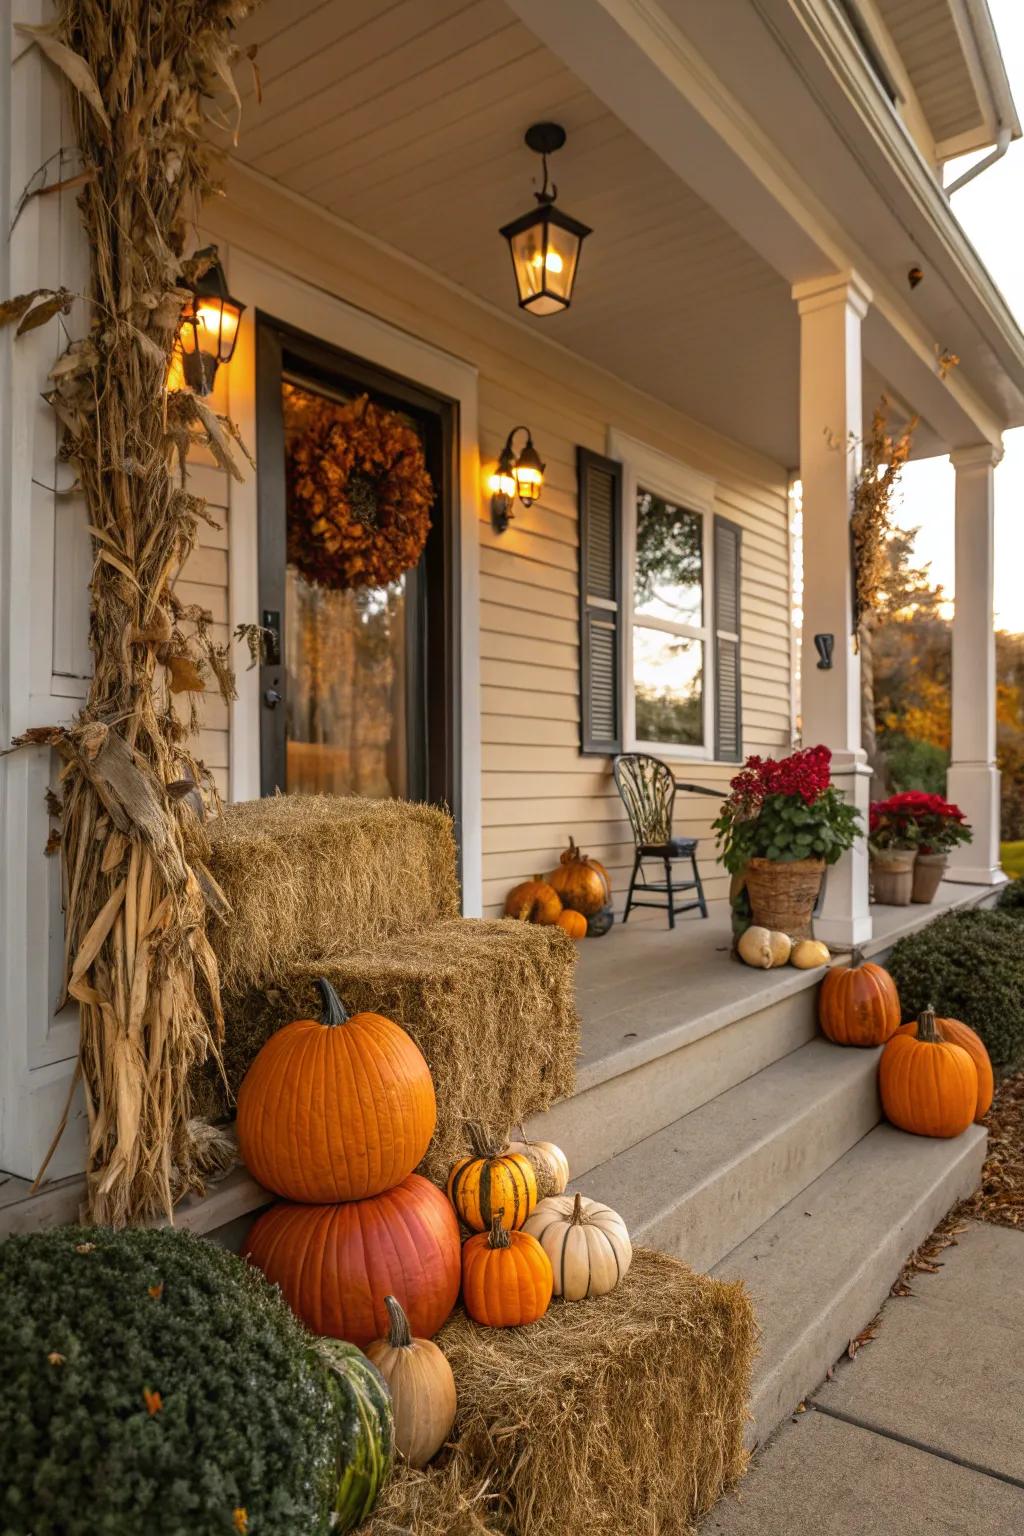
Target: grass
{"x": 1012, "y": 857}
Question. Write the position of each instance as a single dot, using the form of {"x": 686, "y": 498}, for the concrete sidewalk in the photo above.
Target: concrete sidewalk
{"x": 923, "y": 1432}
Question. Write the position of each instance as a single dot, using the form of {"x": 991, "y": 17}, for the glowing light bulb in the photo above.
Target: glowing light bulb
{"x": 551, "y": 261}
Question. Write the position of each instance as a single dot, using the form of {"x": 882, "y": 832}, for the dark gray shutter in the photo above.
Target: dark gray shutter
{"x": 600, "y": 513}
{"x": 728, "y": 719}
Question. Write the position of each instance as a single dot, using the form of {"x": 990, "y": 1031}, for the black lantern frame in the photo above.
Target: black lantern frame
{"x": 519, "y": 475}
{"x": 209, "y": 329}
{"x": 545, "y": 244}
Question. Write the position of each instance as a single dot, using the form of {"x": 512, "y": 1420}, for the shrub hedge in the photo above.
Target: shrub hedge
{"x": 1011, "y": 898}
{"x": 968, "y": 966}
{"x": 154, "y": 1383}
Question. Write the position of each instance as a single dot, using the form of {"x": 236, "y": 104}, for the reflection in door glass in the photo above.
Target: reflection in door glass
{"x": 346, "y": 663}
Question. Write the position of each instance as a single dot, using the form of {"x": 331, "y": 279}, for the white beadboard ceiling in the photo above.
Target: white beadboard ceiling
{"x": 406, "y": 119}
{"x": 926, "y": 35}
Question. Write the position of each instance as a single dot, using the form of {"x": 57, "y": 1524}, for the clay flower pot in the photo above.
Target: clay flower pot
{"x": 929, "y": 873}
{"x": 892, "y": 875}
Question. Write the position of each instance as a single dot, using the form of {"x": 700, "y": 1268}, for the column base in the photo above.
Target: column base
{"x": 974, "y": 787}
{"x": 975, "y": 875}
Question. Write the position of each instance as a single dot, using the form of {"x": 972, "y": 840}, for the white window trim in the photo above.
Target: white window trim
{"x": 688, "y": 488}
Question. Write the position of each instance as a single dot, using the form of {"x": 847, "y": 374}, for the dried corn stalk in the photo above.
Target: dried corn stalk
{"x": 883, "y": 456}
{"x": 146, "y": 77}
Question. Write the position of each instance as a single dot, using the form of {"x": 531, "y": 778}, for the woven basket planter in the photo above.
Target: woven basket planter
{"x": 782, "y": 895}
{"x": 892, "y": 876}
{"x": 929, "y": 873}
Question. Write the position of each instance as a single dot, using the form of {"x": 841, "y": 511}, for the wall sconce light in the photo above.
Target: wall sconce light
{"x": 519, "y": 475}
{"x": 545, "y": 243}
{"x": 209, "y": 329}
{"x": 824, "y": 645}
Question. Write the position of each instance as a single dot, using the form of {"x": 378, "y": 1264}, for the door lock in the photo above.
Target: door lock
{"x": 272, "y": 698}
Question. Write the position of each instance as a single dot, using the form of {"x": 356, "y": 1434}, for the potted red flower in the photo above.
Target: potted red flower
{"x": 783, "y": 823}
{"x": 926, "y": 824}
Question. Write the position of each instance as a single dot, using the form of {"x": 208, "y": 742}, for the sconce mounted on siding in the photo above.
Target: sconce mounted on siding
{"x": 209, "y": 328}
{"x": 824, "y": 645}
{"x": 545, "y": 243}
{"x": 519, "y": 475}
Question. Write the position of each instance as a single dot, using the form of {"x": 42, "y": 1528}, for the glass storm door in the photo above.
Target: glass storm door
{"x": 358, "y": 696}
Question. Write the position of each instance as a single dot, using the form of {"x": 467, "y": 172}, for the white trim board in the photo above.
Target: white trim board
{"x": 282, "y": 296}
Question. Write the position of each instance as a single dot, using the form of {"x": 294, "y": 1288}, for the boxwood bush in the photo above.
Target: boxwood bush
{"x": 1011, "y": 898}
{"x": 969, "y": 966}
{"x": 154, "y": 1383}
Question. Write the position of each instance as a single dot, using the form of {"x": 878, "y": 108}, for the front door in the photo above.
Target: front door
{"x": 358, "y": 681}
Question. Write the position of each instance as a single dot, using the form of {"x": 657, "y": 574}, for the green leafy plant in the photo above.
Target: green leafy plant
{"x": 153, "y": 1382}
{"x": 968, "y": 966}
{"x": 1011, "y": 898}
{"x": 784, "y": 811}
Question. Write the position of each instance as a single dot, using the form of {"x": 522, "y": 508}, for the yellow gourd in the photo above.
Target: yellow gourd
{"x": 808, "y": 954}
{"x": 763, "y": 948}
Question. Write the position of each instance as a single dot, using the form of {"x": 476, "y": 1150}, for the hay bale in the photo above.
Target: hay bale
{"x": 625, "y": 1413}
{"x": 437, "y": 1502}
{"x": 490, "y": 1004}
{"x": 310, "y": 875}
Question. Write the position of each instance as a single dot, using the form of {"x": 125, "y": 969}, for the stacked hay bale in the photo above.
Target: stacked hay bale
{"x": 365, "y": 893}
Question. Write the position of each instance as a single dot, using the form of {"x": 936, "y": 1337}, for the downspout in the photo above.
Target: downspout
{"x": 1001, "y": 146}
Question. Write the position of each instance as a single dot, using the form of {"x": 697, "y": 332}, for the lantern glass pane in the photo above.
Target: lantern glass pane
{"x": 230, "y": 316}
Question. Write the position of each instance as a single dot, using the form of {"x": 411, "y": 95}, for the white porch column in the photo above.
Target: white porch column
{"x": 973, "y": 779}
{"x": 831, "y": 424}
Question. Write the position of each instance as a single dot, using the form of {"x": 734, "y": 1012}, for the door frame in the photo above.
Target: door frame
{"x": 299, "y": 307}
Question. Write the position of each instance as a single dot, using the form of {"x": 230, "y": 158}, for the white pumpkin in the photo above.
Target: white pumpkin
{"x": 587, "y": 1243}
{"x": 764, "y": 948}
{"x": 550, "y": 1162}
{"x": 808, "y": 954}
{"x": 421, "y": 1384}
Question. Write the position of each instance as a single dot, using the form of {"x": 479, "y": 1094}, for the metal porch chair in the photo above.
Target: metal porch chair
{"x": 648, "y": 790}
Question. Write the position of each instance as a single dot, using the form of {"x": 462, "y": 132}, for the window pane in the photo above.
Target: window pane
{"x": 669, "y": 561}
{"x": 668, "y": 679}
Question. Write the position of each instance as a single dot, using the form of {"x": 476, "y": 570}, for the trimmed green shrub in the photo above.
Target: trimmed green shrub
{"x": 915, "y": 764}
{"x": 968, "y": 966}
{"x": 1011, "y": 898}
{"x": 154, "y": 1383}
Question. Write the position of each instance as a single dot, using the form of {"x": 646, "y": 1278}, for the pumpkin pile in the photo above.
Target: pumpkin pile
{"x": 333, "y": 1116}
{"x": 576, "y": 897}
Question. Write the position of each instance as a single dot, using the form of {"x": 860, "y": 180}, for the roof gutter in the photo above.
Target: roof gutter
{"x": 1002, "y": 144}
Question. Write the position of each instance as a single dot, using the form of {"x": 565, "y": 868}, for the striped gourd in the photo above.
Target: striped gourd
{"x": 587, "y": 1243}
{"x": 492, "y": 1183}
{"x": 366, "y": 1438}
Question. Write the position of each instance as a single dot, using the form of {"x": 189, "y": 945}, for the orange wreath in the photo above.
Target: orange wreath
{"x": 359, "y": 495}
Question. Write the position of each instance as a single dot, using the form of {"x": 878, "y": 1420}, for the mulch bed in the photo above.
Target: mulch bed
{"x": 1000, "y": 1196}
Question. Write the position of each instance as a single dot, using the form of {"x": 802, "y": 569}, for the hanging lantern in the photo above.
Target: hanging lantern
{"x": 546, "y": 242}
{"x": 209, "y": 329}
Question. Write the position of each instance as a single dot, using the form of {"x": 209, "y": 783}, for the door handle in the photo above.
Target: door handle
{"x": 272, "y": 698}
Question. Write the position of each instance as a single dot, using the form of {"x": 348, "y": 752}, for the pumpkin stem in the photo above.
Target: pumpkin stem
{"x": 576, "y": 1219}
{"x": 399, "y": 1332}
{"x": 498, "y": 1237}
{"x": 926, "y": 1029}
{"x": 332, "y": 1009}
{"x": 481, "y": 1141}
{"x": 856, "y": 959}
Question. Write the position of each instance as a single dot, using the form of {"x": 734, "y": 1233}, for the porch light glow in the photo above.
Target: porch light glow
{"x": 519, "y": 475}
{"x": 545, "y": 243}
{"x": 209, "y": 330}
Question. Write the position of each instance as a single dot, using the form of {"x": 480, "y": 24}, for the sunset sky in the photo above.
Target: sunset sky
{"x": 991, "y": 209}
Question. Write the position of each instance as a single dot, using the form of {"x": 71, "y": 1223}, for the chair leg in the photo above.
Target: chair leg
{"x": 671, "y": 897}
{"x": 632, "y": 884}
{"x": 700, "y": 887}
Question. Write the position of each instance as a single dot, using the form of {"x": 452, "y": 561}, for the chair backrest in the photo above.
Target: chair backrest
{"x": 648, "y": 790}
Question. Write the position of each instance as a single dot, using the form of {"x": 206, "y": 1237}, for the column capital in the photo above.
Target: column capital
{"x": 834, "y": 288}
{"x": 977, "y": 456}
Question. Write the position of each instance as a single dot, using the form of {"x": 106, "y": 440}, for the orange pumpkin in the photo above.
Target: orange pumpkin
{"x": 335, "y": 1264}
{"x": 507, "y": 1279}
{"x": 581, "y": 882}
{"x": 858, "y": 1005}
{"x": 962, "y": 1034}
{"x": 929, "y": 1086}
{"x": 533, "y": 902}
{"x": 336, "y": 1109}
{"x": 573, "y": 923}
{"x": 492, "y": 1184}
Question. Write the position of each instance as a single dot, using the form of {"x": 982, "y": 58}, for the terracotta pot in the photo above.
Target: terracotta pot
{"x": 929, "y": 872}
{"x": 782, "y": 895}
{"x": 892, "y": 876}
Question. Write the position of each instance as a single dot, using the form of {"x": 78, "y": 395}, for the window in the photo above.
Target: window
{"x": 670, "y": 635}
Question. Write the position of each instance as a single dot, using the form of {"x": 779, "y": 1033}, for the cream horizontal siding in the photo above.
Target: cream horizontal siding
{"x": 536, "y": 786}
{"x": 203, "y": 580}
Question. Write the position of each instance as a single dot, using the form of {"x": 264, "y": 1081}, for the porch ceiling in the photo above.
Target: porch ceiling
{"x": 407, "y": 121}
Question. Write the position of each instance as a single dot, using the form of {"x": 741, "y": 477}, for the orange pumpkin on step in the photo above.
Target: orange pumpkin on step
{"x": 929, "y": 1086}
{"x": 507, "y": 1279}
{"x": 573, "y": 923}
{"x": 858, "y": 1005}
{"x": 337, "y": 1108}
{"x": 533, "y": 901}
{"x": 336, "y": 1264}
{"x": 962, "y": 1034}
{"x": 581, "y": 882}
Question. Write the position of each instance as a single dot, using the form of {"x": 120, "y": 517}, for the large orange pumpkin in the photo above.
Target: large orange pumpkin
{"x": 962, "y": 1034}
{"x": 533, "y": 901}
{"x": 581, "y": 882}
{"x": 929, "y": 1086}
{"x": 507, "y": 1279}
{"x": 858, "y": 1005}
{"x": 338, "y": 1109}
{"x": 336, "y": 1263}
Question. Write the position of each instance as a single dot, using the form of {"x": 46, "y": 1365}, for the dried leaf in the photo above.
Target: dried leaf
{"x": 73, "y": 66}
{"x": 185, "y": 675}
{"x": 42, "y": 313}
{"x": 79, "y": 179}
{"x": 13, "y": 309}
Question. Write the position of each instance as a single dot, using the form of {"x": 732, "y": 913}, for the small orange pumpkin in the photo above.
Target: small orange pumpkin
{"x": 929, "y": 1086}
{"x": 573, "y": 923}
{"x": 581, "y": 882}
{"x": 858, "y": 1005}
{"x": 533, "y": 901}
{"x": 962, "y": 1034}
{"x": 507, "y": 1279}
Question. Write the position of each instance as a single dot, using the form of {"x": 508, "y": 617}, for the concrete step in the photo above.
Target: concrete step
{"x": 631, "y": 1086}
{"x": 700, "y": 1186}
{"x": 819, "y": 1269}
